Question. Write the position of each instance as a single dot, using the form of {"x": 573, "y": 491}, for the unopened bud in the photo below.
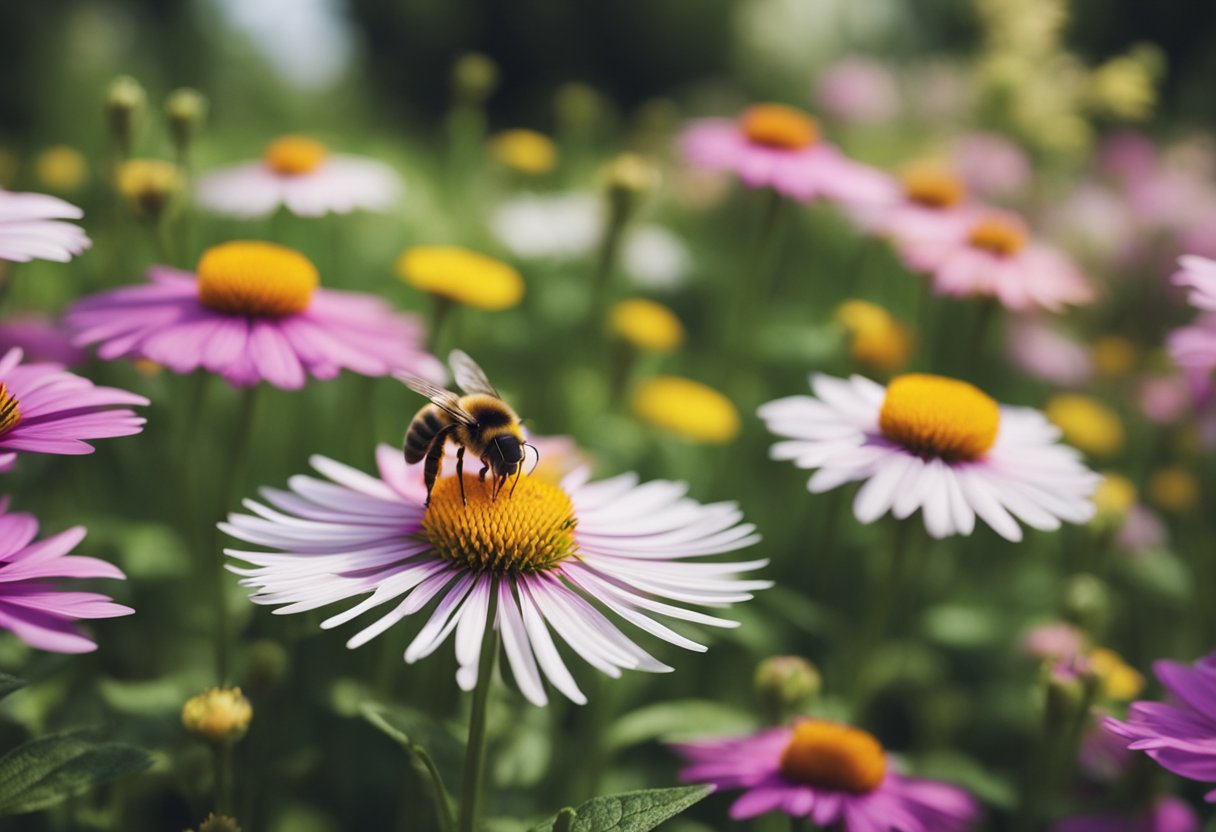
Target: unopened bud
{"x": 150, "y": 186}
{"x": 785, "y": 685}
{"x": 219, "y": 823}
{"x": 268, "y": 661}
{"x": 1070, "y": 685}
{"x": 220, "y": 716}
{"x": 474, "y": 78}
{"x": 578, "y": 105}
{"x": 1086, "y": 602}
{"x": 630, "y": 175}
{"x": 125, "y": 104}
{"x": 186, "y": 110}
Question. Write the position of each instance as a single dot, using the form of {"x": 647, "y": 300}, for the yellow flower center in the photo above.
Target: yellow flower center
{"x": 646, "y": 325}
{"x": 525, "y": 150}
{"x": 933, "y": 186}
{"x": 934, "y": 416}
{"x": 294, "y": 155}
{"x": 776, "y": 125}
{"x": 833, "y": 756}
{"x": 999, "y": 235}
{"x": 263, "y": 280}
{"x": 10, "y": 413}
{"x": 529, "y": 528}
{"x": 687, "y": 408}
{"x": 461, "y": 275}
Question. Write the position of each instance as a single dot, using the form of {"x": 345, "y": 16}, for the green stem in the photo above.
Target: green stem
{"x": 222, "y": 758}
{"x": 883, "y": 603}
{"x": 755, "y": 289}
{"x": 427, "y": 768}
{"x": 984, "y": 319}
{"x": 475, "y": 751}
{"x": 609, "y": 252}
{"x": 439, "y": 315}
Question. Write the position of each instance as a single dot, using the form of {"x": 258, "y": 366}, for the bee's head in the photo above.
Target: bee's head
{"x": 506, "y": 455}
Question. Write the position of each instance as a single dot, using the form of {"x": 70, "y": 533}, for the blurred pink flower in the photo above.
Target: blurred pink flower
{"x": 1169, "y": 814}
{"x": 1128, "y": 157}
{"x": 1194, "y": 346}
{"x": 991, "y": 164}
{"x": 1142, "y": 530}
{"x": 1055, "y": 641}
{"x": 1042, "y": 351}
{"x": 41, "y": 339}
{"x": 1165, "y": 400}
{"x": 858, "y": 89}
{"x": 1097, "y": 220}
{"x": 1103, "y": 756}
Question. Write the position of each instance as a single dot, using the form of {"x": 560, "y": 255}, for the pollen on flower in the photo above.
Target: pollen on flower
{"x": 10, "y": 413}
{"x": 256, "y": 278}
{"x": 834, "y": 756}
{"x": 776, "y": 125}
{"x": 933, "y": 185}
{"x": 294, "y": 155}
{"x": 529, "y": 528}
{"x": 1003, "y": 236}
{"x": 938, "y": 417}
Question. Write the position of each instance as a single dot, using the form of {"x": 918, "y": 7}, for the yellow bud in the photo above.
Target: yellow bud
{"x": 875, "y": 338}
{"x": 62, "y": 168}
{"x": 149, "y": 186}
{"x": 1086, "y": 423}
{"x": 1173, "y": 489}
{"x": 125, "y": 103}
{"x": 525, "y": 151}
{"x": 1113, "y": 499}
{"x": 220, "y": 716}
{"x": 186, "y": 109}
{"x": 646, "y": 325}
{"x": 1119, "y": 680}
{"x": 474, "y": 78}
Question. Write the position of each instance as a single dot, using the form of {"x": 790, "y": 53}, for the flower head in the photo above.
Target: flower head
{"x": 220, "y": 716}
{"x": 935, "y": 444}
{"x": 1168, "y": 814}
{"x": 31, "y": 606}
{"x": 525, "y": 151}
{"x": 1086, "y": 423}
{"x": 859, "y": 90}
{"x": 1180, "y": 735}
{"x": 687, "y": 408}
{"x": 40, "y": 339}
{"x": 461, "y": 275}
{"x": 62, "y": 168}
{"x": 548, "y": 558}
{"x": 301, "y": 174}
{"x": 876, "y": 339}
{"x": 32, "y": 227}
{"x": 831, "y": 773}
{"x": 646, "y": 325}
{"x": 149, "y": 186}
{"x": 253, "y": 312}
{"x": 779, "y": 147}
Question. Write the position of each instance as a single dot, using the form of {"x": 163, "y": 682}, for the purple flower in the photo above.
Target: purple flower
{"x": 30, "y": 605}
{"x": 1167, "y": 815}
{"x": 830, "y": 773}
{"x": 41, "y": 339}
{"x": 45, "y": 409}
{"x": 1180, "y": 735}
{"x": 254, "y": 312}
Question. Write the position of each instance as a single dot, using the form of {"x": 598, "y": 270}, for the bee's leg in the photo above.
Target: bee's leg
{"x": 514, "y": 482}
{"x": 464, "y": 500}
{"x": 434, "y": 458}
{"x": 485, "y": 469}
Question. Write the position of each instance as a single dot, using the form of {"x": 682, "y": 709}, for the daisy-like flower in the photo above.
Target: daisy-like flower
{"x": 45, "y": 409}
{"x": 31, "y": 606}
{"x": 936, "y": 444}
{"x": 1179, "y": 735}
{"x": 253, "y": 312}
{"x": 1169, "y": 814}
{"x": 301, "y": 174}
{"x": 835, "y": 775}
{"x": 553, "y": 558}
{"x": 41, "y": 339}
{"x": 33, "y": 227}
{"x": 924, "y": 200}
{"x": 989, "y": 253}
{"x": 779, "y": 147}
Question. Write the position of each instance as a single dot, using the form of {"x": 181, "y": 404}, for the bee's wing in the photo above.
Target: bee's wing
{"x": 470, "y": 377}
{"x": 445, "y": 399}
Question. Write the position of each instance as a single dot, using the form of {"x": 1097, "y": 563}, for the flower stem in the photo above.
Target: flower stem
{"x": 222, "y": 759}
{"x": 475, "y": 751}
{"x": 439, "y": 315}
{"x": 883, "y": 602}
{"x": 754, "y": 290}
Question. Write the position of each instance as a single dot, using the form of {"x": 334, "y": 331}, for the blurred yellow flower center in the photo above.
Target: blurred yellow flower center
{"x": 776, "y": 125}
{"x": 688, "y": 409}
{"x": 1119, "y": 680}
{"x": 264, "y": 280}
{"x": 998, "y": 235}
{"x": 1086, "y": 423}
{"x": 1174, "y": 489}
{"x": 62, "y": 168}
{"x": 938, "y": 417}
{"x": 529, "y": 528}
{"x": 10, "y": 413}
{"x": 294, "y": 155}
{"x": 933, "y": 186}
{"x": 461, "y": 275}
{"x": 876, "y": 338}
{"x": 218, "y": 715}
{"x": 646, "y": 325}
{"x": 833, "y": 756}
{"x": 525, "y": 150}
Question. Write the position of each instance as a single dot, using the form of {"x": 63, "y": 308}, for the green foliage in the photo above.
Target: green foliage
{"x": 49, "y": 770}
{"x": 8, "y": 684}
{"x": 637, "y": 811}
{"x": 682, "y": 719}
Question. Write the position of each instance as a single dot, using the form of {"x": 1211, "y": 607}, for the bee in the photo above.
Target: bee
{"x": 480, "y": 422}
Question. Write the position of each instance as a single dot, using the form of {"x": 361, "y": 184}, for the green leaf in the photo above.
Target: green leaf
{"x": 8, "y": 684}
{"x": 45, "y": 771}
{"x": 638, "y": 811}
{"x": 681, "y": 719}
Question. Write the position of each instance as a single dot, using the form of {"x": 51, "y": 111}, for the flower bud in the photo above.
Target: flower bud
{"x": 1070, "y": 686}
{"x": 578, "y": 105}
{"x": 630, "y": 175}
{"x": 474, "y": 78}
{"x": 219, "y": 823}
{"x": 186, "y": 110}
{"x": 268, "y": 663}
{"x": 785, "y": 685}
{"x": 125, "y": 104}
{"x": 1113, "y": 499}
{"x": 1087, "y": 602}
{"x": 219, "y": 716}
{"x": 150, "y": 186}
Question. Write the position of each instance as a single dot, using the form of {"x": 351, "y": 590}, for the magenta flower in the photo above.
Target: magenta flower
{"x": 30, "y": 606}
{"x": 926, "y": 200}
{"x": 1179, "y": 735}
{"x": 1169, "y": 814}
{"x": 858, "y": 90}
{"x": 45, "y": 409}
{"x": 778, "y": 147}
{"x": 830, "y": 773}
{"x": 41, "y": 339}
{"x": 989, "y": 253}
{"x": 32, "y": 227}
{"x": 991, "y": 164}
{"x": 254, "y": 312}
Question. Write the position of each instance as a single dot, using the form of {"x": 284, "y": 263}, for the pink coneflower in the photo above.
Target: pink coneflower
{"x": 1169, "y": 814}
{"x": 991, "y": 164}
{"x": 1181, "y": 735}
{"x": 32, "y": 227}
{"x": 925, "y": 200}
{"x": 834, "y": 775}
{"x": 858, "y": 90}
{"x": 253, "y": 312}
{"x": 935, "y": 444}
{"x": 779, "y": 147}
{"x": 45, "y": 409}
{"x": 548, "y": 558}
{"x": 1058, "y": 640}
{"x": 299, "y": 173}
{"x": 1043, "y": 351}
{"x": 30, "y": 604}
{"x": 989, "y": 253}
{"x": 41, "y": 339}
{"x": 1194, "y": 346}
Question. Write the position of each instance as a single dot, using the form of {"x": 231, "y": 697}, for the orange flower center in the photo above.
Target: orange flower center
{"x": 833, "y": 756}
{"x": 999, "y": 235}
{"x": 776, "y": 125}
{"x": 10, "y": 414}
{"x": 933, "y": 186}
{"x": 938, "y": 417}
{"x": 294, "y": 155}
{"x": 263, "y": 280}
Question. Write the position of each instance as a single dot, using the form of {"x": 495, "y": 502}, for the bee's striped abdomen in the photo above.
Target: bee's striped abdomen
{"x": 427, "y": 422}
